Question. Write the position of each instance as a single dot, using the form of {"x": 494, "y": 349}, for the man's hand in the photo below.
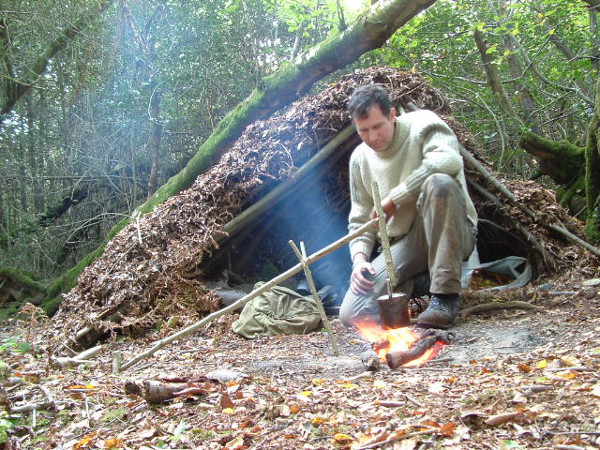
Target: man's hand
{"x": 359, "y": 283}
{"x": 388, "y": 206}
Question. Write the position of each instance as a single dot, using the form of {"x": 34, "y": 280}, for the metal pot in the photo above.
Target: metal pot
{"x": 393, "y": 311}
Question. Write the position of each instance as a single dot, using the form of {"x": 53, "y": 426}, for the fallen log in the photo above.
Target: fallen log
{"x": 418, "y": 348}
{"x": 80, "y": 358}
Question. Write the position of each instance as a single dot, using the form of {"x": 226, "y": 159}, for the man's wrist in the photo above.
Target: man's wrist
{"x": 359, "y": 258}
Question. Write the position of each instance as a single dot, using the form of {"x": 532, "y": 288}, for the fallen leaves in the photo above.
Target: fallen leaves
{"x": 261, "y": 394}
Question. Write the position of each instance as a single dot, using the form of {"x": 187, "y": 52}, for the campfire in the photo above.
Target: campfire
{"x": 404, "y": 346}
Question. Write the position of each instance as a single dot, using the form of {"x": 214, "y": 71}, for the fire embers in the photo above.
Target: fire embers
{"x": 430, "y": 343}
{"x": 402, "y": 346}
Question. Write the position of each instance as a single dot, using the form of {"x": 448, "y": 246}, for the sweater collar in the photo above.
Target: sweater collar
{"x": 397, "y": 140}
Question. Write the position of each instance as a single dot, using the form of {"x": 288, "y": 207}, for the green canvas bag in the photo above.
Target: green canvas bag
{"x": 278, "y": 310}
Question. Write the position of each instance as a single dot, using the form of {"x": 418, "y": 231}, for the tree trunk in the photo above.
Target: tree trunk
{"x": 495, "y": 84}
{"x": 594, "y": 41}
{"x": 369, "y": 32}
{"x": 17, "y": 287}
{"x": 524, "y": 96}
{"x": 592, "y": 173}
{"x": 493, "y": 78}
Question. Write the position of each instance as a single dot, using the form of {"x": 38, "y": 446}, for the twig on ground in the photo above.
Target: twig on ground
{"x": 492, "y": 306}
{"x": 398, "y": 438}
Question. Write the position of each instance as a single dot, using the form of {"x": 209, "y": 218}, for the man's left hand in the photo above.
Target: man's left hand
{"x": 388, "y": 206}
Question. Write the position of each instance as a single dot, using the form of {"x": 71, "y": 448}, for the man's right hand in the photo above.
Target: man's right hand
{"x": 359, "y": 283}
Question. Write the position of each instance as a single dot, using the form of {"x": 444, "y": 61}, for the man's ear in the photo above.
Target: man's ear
{"x": 392, "y": 114}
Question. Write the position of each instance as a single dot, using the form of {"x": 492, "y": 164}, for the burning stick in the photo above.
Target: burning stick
{"x": 419, "y": 347}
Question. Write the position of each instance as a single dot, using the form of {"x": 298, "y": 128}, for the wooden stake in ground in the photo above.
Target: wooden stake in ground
{"x": 313, "y": 290}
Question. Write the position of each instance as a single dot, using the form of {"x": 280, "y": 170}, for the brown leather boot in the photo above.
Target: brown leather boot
{"x": 441, "y": 313}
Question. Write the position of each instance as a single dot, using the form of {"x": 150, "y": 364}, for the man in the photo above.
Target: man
{"x": 431, "y": 221}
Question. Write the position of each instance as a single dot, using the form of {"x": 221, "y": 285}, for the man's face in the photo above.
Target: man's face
{"x": 376, "y": 130}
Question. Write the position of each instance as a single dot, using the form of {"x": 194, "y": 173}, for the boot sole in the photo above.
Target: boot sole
{"x": 434, "y": 325}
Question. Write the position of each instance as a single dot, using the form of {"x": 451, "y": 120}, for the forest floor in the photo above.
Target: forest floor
{"x": 511, "y": 379}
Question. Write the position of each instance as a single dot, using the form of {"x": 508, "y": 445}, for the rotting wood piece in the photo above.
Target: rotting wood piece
{"x": 418, "y": 348}
{"x": 158, "y": 391}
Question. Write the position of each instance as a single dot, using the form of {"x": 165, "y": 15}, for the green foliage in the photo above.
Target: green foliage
{"x": 113, "y": 414}
{"x": 315, "y": 18}
{"x": 180, "y": 430}
{"x": 439, "y": 43}
{"x": 14, "y": 345}
{"x": 5, "y": 425}
{"x": 92, "y": 120}
{"x": 203, "y": 435}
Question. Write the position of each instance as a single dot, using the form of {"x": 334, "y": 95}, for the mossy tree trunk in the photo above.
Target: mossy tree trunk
{"x": 17, "y": 288}
{"x": 592, "y": 172}
{"x": 576, "y": 169}
{"x": 368, "y": 32}
{"x": 560, "y": 160}
{"x": 564, "y": 163}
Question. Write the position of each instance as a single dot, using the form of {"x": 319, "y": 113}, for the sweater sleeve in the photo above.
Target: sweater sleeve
{"x": 440, "y": 152}
{"x": 361, "y": 206}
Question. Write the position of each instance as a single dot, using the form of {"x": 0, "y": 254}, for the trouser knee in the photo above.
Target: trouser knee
{"x": 440, "y": 185}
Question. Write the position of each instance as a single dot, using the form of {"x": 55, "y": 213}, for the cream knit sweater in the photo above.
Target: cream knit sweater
{"x": 422, "y": 145}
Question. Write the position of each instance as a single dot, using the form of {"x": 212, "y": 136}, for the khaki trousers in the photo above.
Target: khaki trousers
{"x": 440, "y": 239}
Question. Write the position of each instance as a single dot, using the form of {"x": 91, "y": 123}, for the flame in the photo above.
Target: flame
{"x": 395, "y": 340}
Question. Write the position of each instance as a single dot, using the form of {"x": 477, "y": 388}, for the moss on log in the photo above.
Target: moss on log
{"x": 17, "y": 288}
{"x": 562, "y": 161}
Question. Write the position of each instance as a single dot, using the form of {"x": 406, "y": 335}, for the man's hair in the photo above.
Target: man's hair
{"x": 364, "y": 97}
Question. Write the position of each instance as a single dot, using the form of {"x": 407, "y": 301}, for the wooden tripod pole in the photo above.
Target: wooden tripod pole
{"x": 315, "y": 294}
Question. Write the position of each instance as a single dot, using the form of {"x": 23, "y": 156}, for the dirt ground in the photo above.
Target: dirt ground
{"x": 512, "y": 378}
